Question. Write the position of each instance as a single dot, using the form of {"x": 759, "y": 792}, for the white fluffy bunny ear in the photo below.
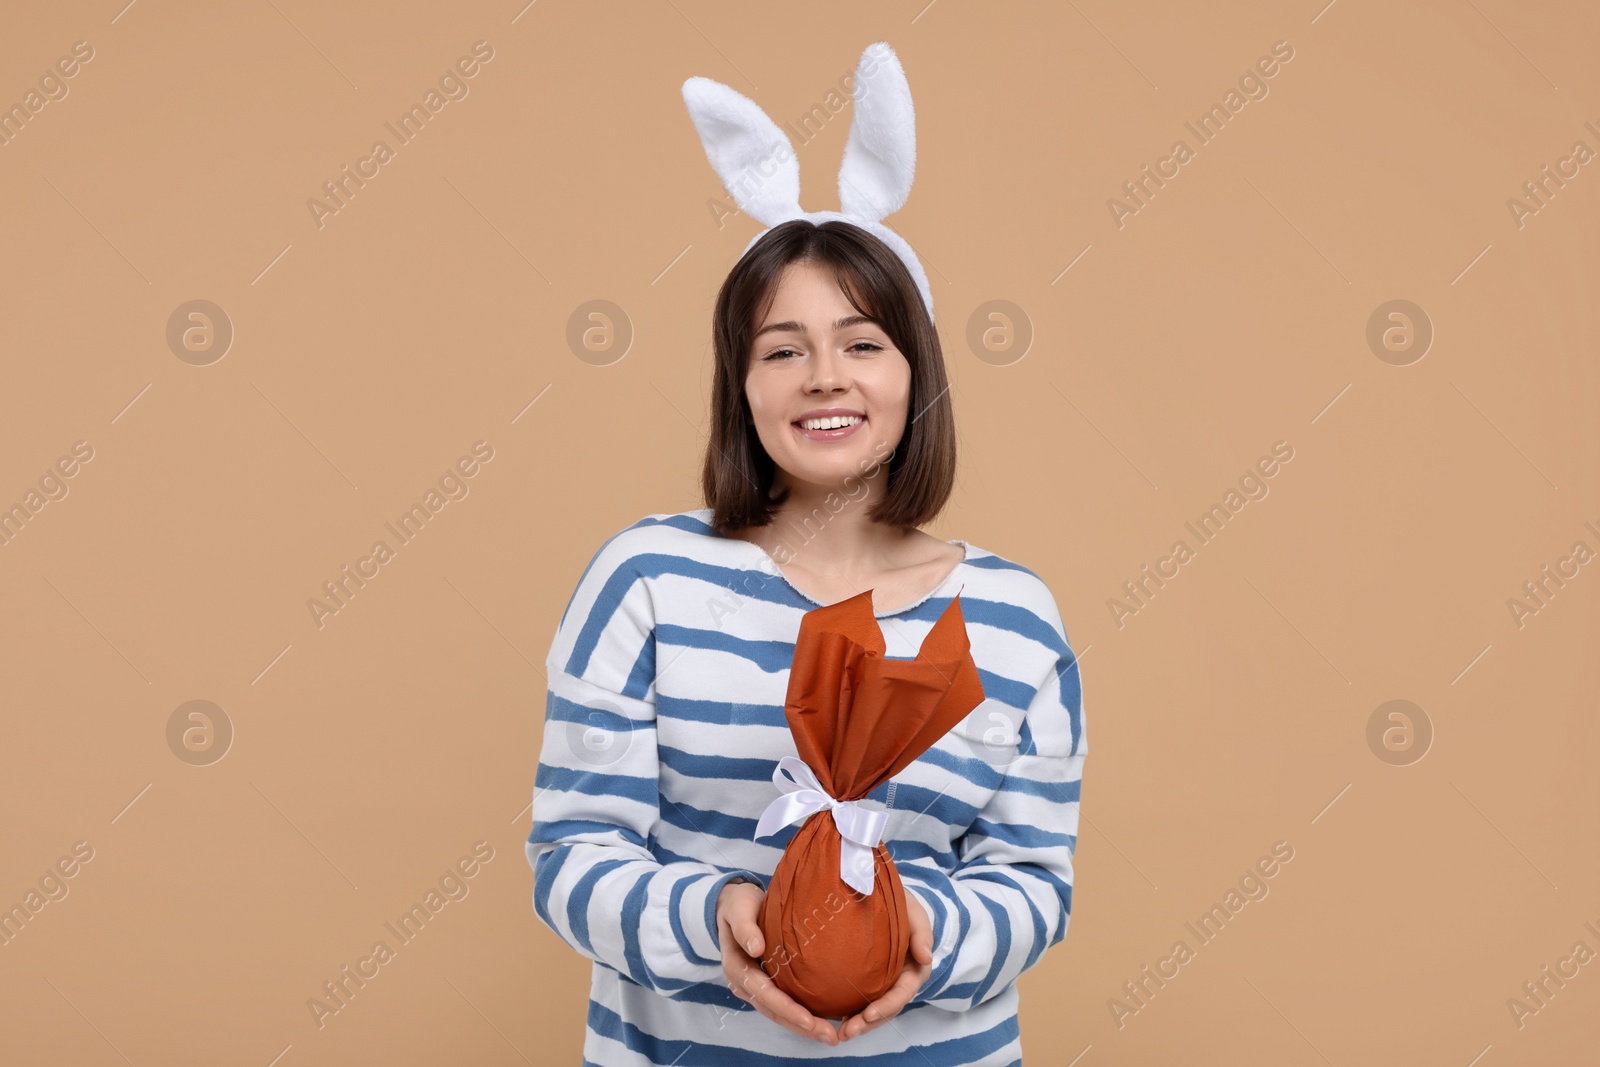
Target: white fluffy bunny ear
{"x": 881, "y": 155}
{"x": 750, "y": 154}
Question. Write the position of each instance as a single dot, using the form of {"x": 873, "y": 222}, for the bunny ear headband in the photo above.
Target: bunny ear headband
{"x": 759, "y": 169}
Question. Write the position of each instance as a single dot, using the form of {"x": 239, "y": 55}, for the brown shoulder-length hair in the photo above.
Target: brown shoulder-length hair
{"x": 738, "y": 474}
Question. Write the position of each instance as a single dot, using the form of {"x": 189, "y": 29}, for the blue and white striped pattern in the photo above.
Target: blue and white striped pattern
{"x": 664, "y": 720}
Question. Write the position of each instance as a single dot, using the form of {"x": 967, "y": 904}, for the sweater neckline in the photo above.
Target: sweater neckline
{"x": 768, "y": 565}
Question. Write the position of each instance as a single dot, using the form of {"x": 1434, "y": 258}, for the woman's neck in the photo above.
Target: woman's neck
{"x": 826, "y": 532}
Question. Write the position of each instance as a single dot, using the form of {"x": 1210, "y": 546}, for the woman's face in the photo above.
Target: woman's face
{"x": 814, "y": 353}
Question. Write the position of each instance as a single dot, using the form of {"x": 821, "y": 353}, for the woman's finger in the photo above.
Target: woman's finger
{"x": 742, "y": 945}
{"x": 747, "y": 932}
{"x": 781, "y": 1006}
{"x": 778, "y": 1006}
{"x": 743, "y": 909}
{"x": 921, "y": 936}
{"x": 750, "y": 983}
{"x": 887, "y": 1006}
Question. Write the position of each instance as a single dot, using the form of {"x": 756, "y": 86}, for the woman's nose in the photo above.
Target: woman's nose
{"x": 826, "y": 371}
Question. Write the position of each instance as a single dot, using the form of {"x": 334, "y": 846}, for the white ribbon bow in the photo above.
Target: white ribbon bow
{"x": 802, "y": 796}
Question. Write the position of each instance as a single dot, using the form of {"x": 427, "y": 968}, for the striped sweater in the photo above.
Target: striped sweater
{"x": 664, "y": 720}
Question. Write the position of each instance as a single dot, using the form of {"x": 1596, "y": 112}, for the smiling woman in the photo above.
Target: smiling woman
{"x": 668, "y": 682}
{"x": 823, "y": 352}
{"x": 800, "y": 372}
{"x": 673, "y": 688}
{"x": 823, "y": 320}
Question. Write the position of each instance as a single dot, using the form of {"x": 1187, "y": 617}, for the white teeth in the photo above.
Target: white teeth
{"x": 834, "y": 423}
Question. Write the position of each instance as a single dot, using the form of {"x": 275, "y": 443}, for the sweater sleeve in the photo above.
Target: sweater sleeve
{"x": 1010, "y": 895}
{"x": 597, "y": 884}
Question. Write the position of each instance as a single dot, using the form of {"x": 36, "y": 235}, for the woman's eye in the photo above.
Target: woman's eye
{"x": 786, "y": 352}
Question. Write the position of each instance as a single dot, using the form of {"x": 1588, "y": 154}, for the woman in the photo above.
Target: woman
{"x": 832, "y": 441}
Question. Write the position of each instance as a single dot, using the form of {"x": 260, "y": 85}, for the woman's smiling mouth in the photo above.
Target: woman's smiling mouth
{"x": 831, "y": 428}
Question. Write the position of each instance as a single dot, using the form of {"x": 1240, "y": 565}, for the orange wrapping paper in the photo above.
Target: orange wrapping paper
{"x": 857, "y": 719}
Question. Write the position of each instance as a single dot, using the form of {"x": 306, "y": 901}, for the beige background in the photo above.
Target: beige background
{"x": 1231, "y": 712}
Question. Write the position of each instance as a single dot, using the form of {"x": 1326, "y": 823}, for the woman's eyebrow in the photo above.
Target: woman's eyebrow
{"x": 790, "y": 326}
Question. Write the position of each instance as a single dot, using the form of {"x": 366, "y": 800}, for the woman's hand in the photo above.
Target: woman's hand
{"x": 737, "y": 906}
{"x": 918, "y": 967}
